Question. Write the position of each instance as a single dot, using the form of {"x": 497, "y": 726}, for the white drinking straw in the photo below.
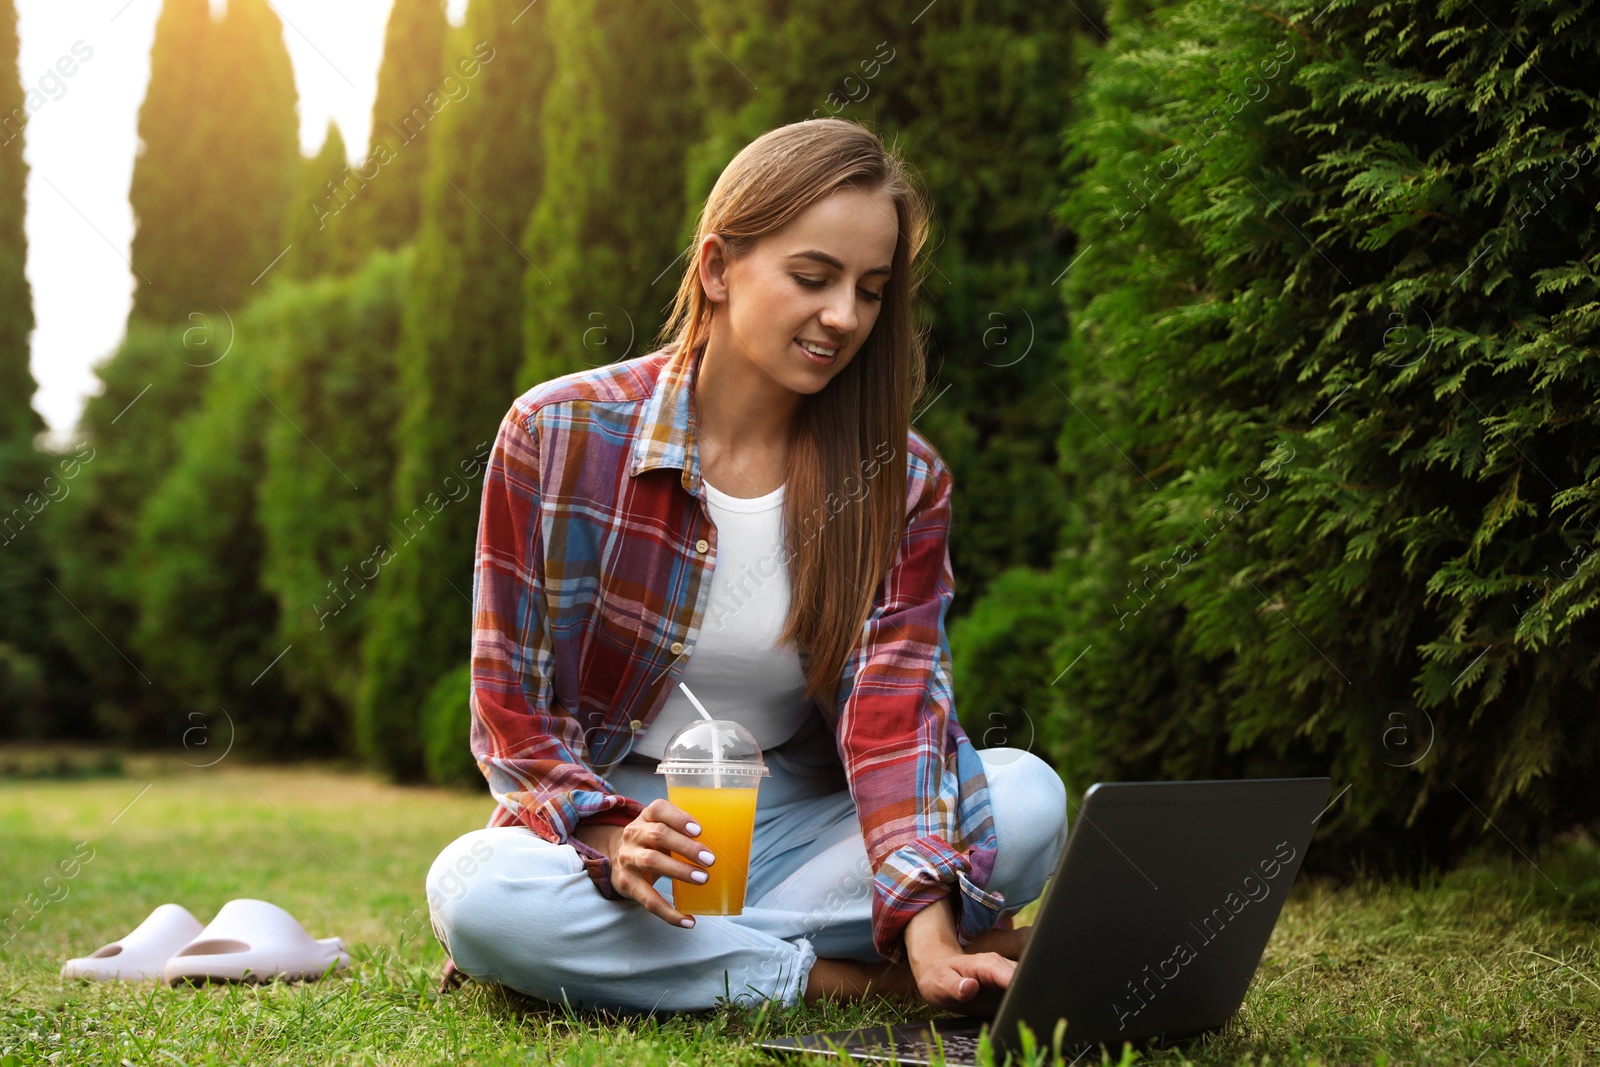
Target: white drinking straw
{"x": 716, "y": 772}
{"x": 695, "y": 701}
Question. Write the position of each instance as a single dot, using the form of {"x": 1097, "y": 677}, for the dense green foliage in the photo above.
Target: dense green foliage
{"x": 446, "y": 720}
{"x": 129, "y": 442}
{"x": 204, "y": 624}
{"x": 460, "y": 352}
{"x": 1335, "y": 455}
{"x": 43, "y": 692}
{"x": 324, "y": 503}
{"x": 274, "y": 492}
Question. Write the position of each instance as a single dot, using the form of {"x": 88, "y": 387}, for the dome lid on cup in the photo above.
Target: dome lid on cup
{"x": 713, "y": 744}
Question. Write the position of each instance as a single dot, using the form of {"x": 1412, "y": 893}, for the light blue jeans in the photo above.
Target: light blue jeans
{"x": 511, "y": 907}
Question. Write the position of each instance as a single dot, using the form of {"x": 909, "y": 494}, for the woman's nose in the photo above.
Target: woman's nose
{"x": 840, "y": 314}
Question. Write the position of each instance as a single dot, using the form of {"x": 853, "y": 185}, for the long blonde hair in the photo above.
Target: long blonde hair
{"x": 856, "y": 427}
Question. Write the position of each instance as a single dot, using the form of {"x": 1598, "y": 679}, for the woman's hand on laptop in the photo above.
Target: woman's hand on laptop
{"x": 947, "y": 975}
{"x": 642, "y": 851}
{"x": 1009, "y": 943}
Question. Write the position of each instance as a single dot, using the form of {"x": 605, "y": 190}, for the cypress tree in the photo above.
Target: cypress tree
{"x": 218, "y": 159}
{"x": 253, "y": 149}
{"x": 317, "y": 243}
{"x": 414, "y": 86}
{"x": 604, "y": 233}
{"x": 17, "y": 416}
{"x": 1336, "y": 312}
{"x": 461, "y": 351}
{"x": 173, "y": 240}
{"x": 41, "y": 693}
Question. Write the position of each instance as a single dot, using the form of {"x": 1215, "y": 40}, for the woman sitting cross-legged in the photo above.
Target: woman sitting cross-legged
{"x": 746, "y": 510}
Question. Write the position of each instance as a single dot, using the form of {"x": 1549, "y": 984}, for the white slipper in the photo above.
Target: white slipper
{"x": 142, "y": 953}
{"x": 254, "y": 941}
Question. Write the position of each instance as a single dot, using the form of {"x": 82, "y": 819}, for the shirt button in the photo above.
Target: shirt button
{"x": 677, "y": 647}
{"x": 701, "y": 545}
{"x": 635, "y": 724}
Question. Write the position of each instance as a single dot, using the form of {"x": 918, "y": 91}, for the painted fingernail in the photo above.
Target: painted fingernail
{"x": 694, "y": 829}
{"x": 699, "y": 876}
{"x": 686, "y": 921}
{"x": 707, "y": 858}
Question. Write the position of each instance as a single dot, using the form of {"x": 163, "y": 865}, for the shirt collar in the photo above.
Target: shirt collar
{"x": 667, "y": 435}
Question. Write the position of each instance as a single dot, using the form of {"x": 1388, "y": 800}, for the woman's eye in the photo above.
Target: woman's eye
{"x": 818, "y": 283}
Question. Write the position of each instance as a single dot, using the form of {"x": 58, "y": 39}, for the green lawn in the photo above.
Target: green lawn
{"x": 1496, "y": 964}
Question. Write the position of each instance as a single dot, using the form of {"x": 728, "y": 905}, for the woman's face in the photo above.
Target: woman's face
{"x": 820, "y": 280}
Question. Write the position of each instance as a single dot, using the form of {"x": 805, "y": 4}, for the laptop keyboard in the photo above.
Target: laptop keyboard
{"x": 962, "y": 1047}
{"x": 958, "y": 1048}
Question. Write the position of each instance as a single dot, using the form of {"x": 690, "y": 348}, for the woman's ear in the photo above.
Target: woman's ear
{"x": 714, "y": 268}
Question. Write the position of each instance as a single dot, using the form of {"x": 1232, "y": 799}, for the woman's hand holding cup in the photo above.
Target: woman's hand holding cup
{"x": 642, "y": 851}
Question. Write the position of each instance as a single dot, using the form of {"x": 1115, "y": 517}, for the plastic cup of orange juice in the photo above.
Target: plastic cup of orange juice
{"x": 714, "y": 770}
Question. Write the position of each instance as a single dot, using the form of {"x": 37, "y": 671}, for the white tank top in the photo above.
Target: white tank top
{"x": 736, "y": 667}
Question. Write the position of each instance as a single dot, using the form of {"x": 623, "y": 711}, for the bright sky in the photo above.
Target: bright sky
{"x": 80, "y": 148}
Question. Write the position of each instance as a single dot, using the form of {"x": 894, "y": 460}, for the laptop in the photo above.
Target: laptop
{"x": 1151, "y": 926}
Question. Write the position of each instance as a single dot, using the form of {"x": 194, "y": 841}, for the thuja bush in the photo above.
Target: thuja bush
{"x": 1334, "y": 441}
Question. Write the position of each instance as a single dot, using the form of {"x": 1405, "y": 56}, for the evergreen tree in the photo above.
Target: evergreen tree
{"x": 462, "y": 348}
{"x": 41, "y": 692}
{"x": 604, "y": 234}
{"x": 17, "y": 416}
{"x": 414, "y": 85}
{"x": 218, "y": 159}
{"x": 317, "y": 243}
{"x": 1335, "y": 317}
{"x": 253, "y": 150}
{"x": 173, "y": 239}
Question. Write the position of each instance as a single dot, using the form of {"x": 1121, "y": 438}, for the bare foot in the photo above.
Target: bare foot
{"x": 848, "y": 980}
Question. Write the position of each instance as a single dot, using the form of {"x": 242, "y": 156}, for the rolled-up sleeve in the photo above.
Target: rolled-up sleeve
{"x": 916, "y": 778}
{"x": 524, "y": 742}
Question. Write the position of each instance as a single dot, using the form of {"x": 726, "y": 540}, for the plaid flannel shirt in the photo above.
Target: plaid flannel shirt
{"x": 592, "y": 574}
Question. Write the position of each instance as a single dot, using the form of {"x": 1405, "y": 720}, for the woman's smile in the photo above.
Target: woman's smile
{"x": 813, "y": 354}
